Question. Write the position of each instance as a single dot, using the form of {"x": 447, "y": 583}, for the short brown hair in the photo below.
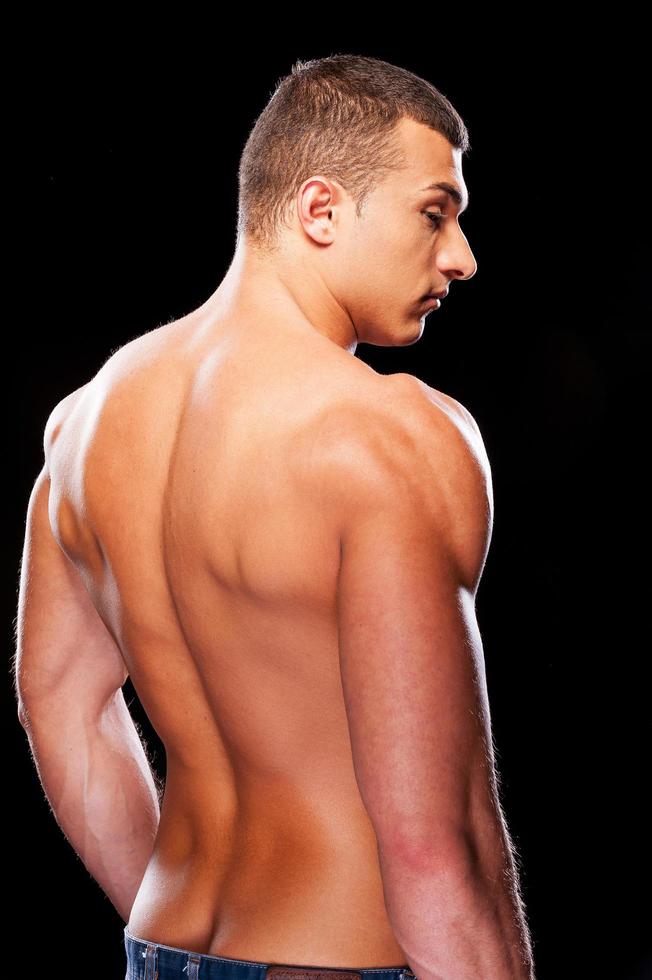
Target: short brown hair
{"x": 336, "y": 116}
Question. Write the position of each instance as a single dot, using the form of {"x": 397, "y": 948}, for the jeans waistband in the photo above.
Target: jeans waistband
{"x": 147, "y": 960}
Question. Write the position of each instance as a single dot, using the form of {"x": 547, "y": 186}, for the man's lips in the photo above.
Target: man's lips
{"x": 433, "y": 300}
{"x": 432, "y": 303}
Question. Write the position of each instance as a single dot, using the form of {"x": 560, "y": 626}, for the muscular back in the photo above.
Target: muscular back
{"x": 198, "y": 482}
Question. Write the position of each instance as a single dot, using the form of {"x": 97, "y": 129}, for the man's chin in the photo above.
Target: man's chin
{"x": 413, "y": 334}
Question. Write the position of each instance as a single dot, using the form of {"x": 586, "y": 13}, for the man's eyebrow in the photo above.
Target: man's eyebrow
{"x": 451, "y": 189}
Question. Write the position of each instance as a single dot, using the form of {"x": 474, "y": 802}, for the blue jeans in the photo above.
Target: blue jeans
{"x": 155, "y": 961}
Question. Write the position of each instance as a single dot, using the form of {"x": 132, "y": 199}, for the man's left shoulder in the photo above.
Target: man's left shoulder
{"x": 59, "y": 414}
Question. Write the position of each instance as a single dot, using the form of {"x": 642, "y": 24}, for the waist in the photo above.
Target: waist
{"x": 150, "y": 959}
{"x": 264, "y": 891}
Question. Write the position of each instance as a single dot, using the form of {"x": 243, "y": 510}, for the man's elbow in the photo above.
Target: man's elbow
{"x": 29, "y": 713}
{"x": 448, "y": 856}
{"x": 23, "y": 716}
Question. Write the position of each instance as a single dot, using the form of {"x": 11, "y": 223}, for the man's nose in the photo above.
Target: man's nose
{"x": 473, "y": 266}
{"x": 461, "y": 260}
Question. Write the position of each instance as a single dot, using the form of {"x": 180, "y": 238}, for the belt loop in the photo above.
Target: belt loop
{"x": 192, "y": 966}
{"x": 151, "y": 962}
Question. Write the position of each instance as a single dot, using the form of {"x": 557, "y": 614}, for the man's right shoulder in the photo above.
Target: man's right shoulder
{"x": 395, "y": 423}
{"x": 400, "y": 446}
{"x": 394, "y": 429}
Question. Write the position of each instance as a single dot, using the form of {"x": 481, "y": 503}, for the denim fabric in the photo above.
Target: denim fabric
{"x": 154, "y": 961}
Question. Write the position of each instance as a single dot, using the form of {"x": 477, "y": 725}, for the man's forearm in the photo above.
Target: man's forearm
{"x": 98, "y": 781}
{"x": 458, "y": 914}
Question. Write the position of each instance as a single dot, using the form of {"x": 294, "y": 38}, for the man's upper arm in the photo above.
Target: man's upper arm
{"x": 66, "y": 660}
{"x": 415, "y": 528}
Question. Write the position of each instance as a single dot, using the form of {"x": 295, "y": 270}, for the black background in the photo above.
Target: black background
{"x": 127, "y": 150}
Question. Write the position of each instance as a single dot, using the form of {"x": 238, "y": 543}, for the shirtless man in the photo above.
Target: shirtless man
{"x": 281, "y": 548}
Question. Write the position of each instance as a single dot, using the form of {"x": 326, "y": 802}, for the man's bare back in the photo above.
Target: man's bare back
{"x": 185, "y": 487}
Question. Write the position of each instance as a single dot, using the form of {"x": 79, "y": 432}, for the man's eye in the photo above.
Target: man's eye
{"x": 435, "y": 217}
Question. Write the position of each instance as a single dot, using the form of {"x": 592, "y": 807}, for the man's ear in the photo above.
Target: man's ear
{"x": 316, "y": 207}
